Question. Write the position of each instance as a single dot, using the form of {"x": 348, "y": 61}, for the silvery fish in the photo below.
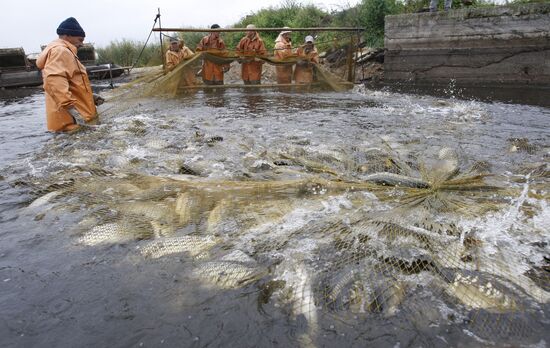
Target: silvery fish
{"x": 40, "y": 201}
{"x": 303, "y": 304}
{"x": 476, "y": 293}
{"x": 340, "y": 282}
{"x": 192, "y": 245}
{"x": 449, "y": 255}
{"x": 184, "y": 206}
{"x": 228, "y": 274}
{"x": 390, "y": 179}
{"x": 217, "y": 214}
{"x": 388, "y": 297}
{"x": 115, "y": 232}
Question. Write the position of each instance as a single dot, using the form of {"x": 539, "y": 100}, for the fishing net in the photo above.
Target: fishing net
{"x": 186, "y": 76}
{"x": 394, "y": 252}
{"x": 334, "y": 237}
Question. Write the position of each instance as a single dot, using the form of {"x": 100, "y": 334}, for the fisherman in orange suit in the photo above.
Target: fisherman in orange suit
{"x": 176, "y": 53}
{"x": 212, "y": 73}
{"x": 69, "y": 98}
{"x": 250, "y": 47}
{"x": 283, "y": 49}
{"x": 307, "y": 57}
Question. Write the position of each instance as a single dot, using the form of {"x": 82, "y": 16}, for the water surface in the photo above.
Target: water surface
{"x": 56, "y": 290}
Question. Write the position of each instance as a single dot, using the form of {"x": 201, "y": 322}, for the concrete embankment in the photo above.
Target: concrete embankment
{"x": 500, "y": 51}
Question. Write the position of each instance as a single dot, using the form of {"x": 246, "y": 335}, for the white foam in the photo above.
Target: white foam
{"x": 541, "y": 221}
{"x": 135, "y": 152}
{"x": 507, "y": 234}
{"x": 541, "y": 344}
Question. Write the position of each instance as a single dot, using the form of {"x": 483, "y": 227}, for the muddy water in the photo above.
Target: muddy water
{"x": 57, "y": 291}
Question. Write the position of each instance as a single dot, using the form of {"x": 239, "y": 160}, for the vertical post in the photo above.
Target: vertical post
{"x": 357, "y": 54}
{"x": 161, "y": 46}
{"x": 111, "y": 76}
{"x": 351, "y": 69}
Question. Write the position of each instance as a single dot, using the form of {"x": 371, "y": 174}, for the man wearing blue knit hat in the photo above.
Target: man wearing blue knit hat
{"x": 69, "y": 98}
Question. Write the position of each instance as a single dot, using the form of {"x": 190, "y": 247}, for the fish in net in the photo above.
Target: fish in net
{"x": 349, "y": 238}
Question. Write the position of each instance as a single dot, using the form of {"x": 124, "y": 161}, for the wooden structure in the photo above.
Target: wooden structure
{"x": 352, "y": 43}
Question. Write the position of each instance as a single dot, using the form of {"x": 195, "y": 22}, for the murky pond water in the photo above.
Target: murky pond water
{"x": 268, "y": 218}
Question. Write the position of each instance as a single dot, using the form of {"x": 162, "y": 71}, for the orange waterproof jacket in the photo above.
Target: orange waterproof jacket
{"x": 66, "y": 85}
{"x": 303, "y": 72}
{"x": 283, "y": 49}
{"x": 251, "y": 70}
{"x": 210, "y": 70}
{"x": 174, "y": 58}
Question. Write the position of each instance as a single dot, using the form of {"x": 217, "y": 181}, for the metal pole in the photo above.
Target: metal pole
{"x": 350, "y": 58}
{"x": 195, "y": 30}
{"x": 161, "y": 46}
{"x": 356, "y": 55}
{"x": 111, "y": 76}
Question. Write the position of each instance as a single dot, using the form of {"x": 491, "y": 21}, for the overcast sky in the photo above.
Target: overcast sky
{"x": 31, "y": 23}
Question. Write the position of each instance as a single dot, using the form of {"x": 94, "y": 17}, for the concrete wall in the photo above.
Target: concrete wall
{"x": 498, "y": 46}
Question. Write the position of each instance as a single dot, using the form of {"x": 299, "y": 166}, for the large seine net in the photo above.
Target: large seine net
{"x": 185, "y": 78}
{"x": 393, "y": 251}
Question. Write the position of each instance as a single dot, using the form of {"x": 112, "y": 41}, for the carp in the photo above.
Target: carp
{"x": 450, "y": 255}
{"x": 185, "y": 204}
{"x": 476, "y": 293}
{"x": 45, "y": 199}
{"x": 192, "y": 245}
{"x": 338, "y": 284}
{"x": 388, "y": 297}
{"x": 303, "y": 302}
{"x": 115, "y": 232}
{"x": 391, "y": 179}
{"x": 228, "y": 274}
{"x": 217, "y": 214}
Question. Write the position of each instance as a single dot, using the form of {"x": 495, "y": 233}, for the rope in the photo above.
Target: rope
{"x": 145, "y": 45}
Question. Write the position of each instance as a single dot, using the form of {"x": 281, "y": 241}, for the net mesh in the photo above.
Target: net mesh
{"x": 397, "y": 256}
{"x": 186, "y": 76}
{"x": 394, "y": 250}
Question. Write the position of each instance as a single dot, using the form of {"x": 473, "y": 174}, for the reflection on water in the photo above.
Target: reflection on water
{"x": 259, "y": 218}
{"x": 23, "y": 120}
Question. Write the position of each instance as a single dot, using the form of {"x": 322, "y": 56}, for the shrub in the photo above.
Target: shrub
{"x": 372, "y": 13}
{"x": 126, "y": 52}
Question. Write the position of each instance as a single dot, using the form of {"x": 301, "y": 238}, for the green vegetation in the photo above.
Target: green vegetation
{"x": 290, "y": 14}
{"x": 126, "y": 52}
{"x": 369, "y": 15}
{"x": 527, "y": 1}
